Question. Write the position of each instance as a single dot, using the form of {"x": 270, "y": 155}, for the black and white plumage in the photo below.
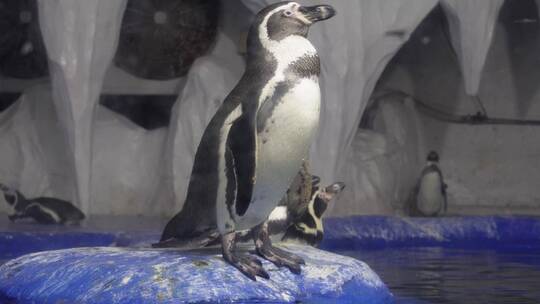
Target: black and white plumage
{"x": 429, "y": 195}
{"x": 44, "y": 210}
{"x": 255, "y": 143}
{"x": 298, "y": 220}
{"x": 291, "y": 221}
{"x": 308, "y": 228}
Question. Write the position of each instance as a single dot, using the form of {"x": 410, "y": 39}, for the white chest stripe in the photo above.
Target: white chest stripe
{"x": 284, "y": 52}
{"x": 318, "y": 221}
{"x": 48, "y": 211}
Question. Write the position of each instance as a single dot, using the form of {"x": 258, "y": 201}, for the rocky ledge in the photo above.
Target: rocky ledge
{"x": 128, "y": 275}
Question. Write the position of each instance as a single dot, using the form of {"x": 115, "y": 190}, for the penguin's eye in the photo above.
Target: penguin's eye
{"x": 288, "y": 13}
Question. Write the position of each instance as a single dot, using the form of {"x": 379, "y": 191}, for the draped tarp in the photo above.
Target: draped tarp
{"x": 81, "y": 39}
{"x": 472, "y": 24}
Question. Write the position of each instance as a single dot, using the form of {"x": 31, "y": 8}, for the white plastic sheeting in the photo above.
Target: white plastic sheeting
{"x": 472, "y": 24}
{"x": 383, "y": 163}
{"x": 33, "y": 150}
{"x": 125, "y": 165}
{"x": 81, "y": 39}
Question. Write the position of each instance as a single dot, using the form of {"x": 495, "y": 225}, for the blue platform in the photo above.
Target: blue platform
{"x": 114, "y": 275}
{"x": 358, "y": 232}
{"x": 477, "y": 232}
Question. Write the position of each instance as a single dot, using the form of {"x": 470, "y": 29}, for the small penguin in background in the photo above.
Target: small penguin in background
{"x": 44, "y": 210}
{"x": 429, "y": 196}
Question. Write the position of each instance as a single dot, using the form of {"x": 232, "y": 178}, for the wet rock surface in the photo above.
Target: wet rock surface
{"x": 124, "y": 275}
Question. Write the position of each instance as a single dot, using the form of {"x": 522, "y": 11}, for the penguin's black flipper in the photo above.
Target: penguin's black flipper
{"x": 242, "y": 142}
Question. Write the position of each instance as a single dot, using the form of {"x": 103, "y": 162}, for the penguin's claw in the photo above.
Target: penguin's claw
{"x": 282, "y": 258}
{"x": 264, "y": 248}
{"x": 296, "y": 258}
{"x": 254, "y": 260}
{"x": 250, "y": 267}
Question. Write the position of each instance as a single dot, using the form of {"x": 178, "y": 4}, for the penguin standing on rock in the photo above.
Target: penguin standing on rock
{"x": 429, "y": 196}
{"x": 44, "y": 210}
{"x": 255, "y": 143}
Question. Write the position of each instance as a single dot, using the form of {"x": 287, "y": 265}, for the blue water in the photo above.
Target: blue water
{"x": 436, "y": 275}
{"x": 444, "y": 275}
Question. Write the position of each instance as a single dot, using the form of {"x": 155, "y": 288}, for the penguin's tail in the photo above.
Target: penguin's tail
{"x": 209, "y": 238}
{"x": 186, "y": 228}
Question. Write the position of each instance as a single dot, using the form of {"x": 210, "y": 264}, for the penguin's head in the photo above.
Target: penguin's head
{"x": 308, "y": 229}
{"x": 433, "y": 157}
{"x": 10, "y": 194}
{"x": 324, "y": 196}
{"x": 284, "y": 19}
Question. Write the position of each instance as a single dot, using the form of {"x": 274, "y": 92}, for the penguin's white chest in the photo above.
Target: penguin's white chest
{"x": 282, "y": 145}
{"x": 430, "y": 198}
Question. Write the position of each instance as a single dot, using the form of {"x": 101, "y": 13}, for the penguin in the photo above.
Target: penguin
{"x": 44, "y": 210}
{"x": 255, "y": 143}
{"x": 308, "y": 229}
{"x": 429, "y": 196}
{"x": 292, "y": 221}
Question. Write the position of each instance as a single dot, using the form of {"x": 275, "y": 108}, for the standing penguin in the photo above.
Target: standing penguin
{"x": 44, "y": 210}
{"x": 255, "y": 143}
{"x": 429, "y": 196}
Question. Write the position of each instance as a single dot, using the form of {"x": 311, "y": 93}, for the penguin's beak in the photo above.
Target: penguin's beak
{"x": 317, "y": 13}
{"x": 337, "y": 188}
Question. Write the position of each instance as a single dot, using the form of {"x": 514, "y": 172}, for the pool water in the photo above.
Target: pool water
{"x": 443, "y": 275}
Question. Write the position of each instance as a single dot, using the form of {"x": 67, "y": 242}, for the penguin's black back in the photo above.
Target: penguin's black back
{"x": 66, "y": 210}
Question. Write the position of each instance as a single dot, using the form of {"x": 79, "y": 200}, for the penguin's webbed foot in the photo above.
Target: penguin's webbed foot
{"x": 249, "y": 266}
{"x": 282, "y": 258}
{"x": 279, "y": 257}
